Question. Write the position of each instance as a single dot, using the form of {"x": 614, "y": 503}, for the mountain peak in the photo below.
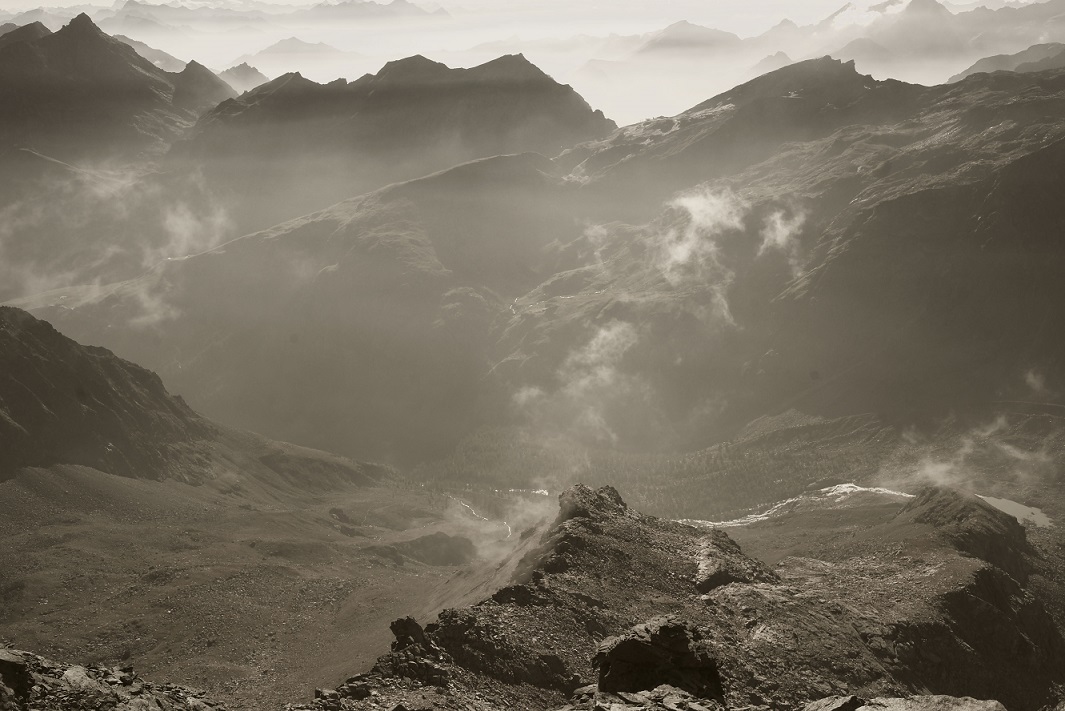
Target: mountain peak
{"x": 687, "y": 35}
{"x": 26, "y": 33}
{"x": 297, "y": 45}
{"x": 510, "y": 68}
{"x": 197, "y": 88}
{"x": 926, "y": 7}
{"x": 243, "y": 77}
{"x": 831, "y": 79}
{"x": 38, "y": 26}
{"x": 285, "y": 85}
{"x": 83, "y": 23}
{"x": 412, "y": 68}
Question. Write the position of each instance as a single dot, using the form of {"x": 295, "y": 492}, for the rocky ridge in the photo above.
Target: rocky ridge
{"x": 611, "y": 609}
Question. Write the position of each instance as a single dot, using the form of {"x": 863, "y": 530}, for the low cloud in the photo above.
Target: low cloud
{"x": 691, "y": 252}
{"x": 780, "y": 233}
{"x": 76, "y": 225}
{"x": 1036, "y": 382}
{"x": 189, "y": 232}
{"x": 591, "y": 385}
{"x": 981, "y": 454}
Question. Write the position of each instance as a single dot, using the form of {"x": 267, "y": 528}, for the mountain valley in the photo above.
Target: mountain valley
{"x": 453, "y": 385}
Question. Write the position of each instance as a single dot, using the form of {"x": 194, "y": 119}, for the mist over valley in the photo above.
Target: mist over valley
{"x": 413, "y": 356}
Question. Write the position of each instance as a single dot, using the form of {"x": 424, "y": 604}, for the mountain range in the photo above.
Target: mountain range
{"x": 1036, "y": 58}
{"x": 292, "y": 145}
{"x": 81, "y": 93}
{"x": 489, "y": 403}
{"x": 126, "y": 197}
{"x": 702, "y": 265}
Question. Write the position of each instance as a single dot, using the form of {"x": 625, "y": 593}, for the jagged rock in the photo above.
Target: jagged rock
{"x": 722, "y": 562}
{"x": 661, "y": 651}
{"x": 408, "y": 632}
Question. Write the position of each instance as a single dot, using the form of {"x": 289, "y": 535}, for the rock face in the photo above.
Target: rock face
{"x": 28, "y": 681}
{"x": 562, "y": 635}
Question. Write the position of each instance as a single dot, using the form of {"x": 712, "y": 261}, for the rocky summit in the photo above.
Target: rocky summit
{"x": 610, "y": 609}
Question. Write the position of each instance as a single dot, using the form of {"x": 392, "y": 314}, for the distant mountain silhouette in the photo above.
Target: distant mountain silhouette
{"x": 1036, "y": 58}
{"x": 243, "y": 77}
{"x": 159, "y": 58}
{"x": 293, "y": 46}
{"x": 772, "y": 63}
{"x": 292, "y": 145}
{"x": 685, "y": 36}
{"x": 79, "y": 92}
{"x": 26, "y": 33}
{"x": 365, "y": 10}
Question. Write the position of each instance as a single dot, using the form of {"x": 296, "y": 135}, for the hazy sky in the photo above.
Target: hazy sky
{"x": 741, "y": 16}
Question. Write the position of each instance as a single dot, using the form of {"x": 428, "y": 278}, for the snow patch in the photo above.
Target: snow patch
{"x": 828, "y": 495}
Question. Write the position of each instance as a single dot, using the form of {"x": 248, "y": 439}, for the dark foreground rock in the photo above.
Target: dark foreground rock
{"x": 663, "y": 651}
{"x": 28, "y": 681}
{"x": 912, "y": 703}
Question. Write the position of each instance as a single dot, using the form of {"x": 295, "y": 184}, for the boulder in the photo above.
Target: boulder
{"x": 661, "y": 651}
{"x": 722, "y": 562}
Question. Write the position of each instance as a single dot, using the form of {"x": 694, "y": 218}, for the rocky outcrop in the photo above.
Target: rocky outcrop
{"x": 28, "y": 681}
{"x": 721, "y": 562}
